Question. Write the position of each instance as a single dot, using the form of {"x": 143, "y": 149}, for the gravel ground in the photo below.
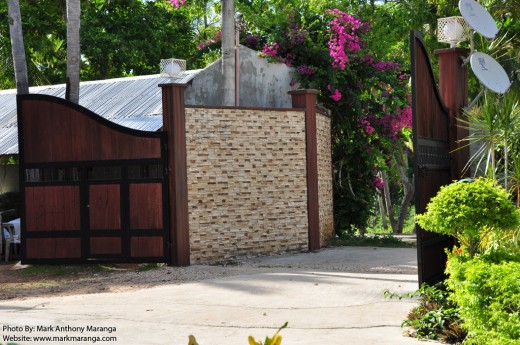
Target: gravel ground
{"x": 21, "y": 284}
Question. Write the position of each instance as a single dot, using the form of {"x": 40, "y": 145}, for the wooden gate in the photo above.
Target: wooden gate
{"x": 432, "y": 158}
{"x": 92, "y": 191}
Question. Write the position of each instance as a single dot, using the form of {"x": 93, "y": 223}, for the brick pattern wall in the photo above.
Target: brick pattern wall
{"x": 325, "y": 177}
{"x": 247, "y": 185}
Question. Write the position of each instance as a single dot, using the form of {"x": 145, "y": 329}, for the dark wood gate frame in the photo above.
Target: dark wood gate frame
{"x": 438, "y": 157}
{"x": 73, "y": 244}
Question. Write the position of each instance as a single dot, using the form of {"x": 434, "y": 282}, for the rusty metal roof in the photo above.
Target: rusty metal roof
{"x": 133, "y": 102}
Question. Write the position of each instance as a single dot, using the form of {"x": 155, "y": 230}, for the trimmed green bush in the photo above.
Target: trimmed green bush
{"x": 488, "y": 296}
{"x": 467, "y": 210}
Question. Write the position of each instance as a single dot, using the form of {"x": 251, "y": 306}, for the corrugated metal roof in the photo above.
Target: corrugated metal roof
{"x": 133, "y": 102}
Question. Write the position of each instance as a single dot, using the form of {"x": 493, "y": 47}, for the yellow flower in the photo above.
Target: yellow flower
{"x": 252, "y": 341}
{"x": 277, "y": 340}
{"x": 192, "y": 340}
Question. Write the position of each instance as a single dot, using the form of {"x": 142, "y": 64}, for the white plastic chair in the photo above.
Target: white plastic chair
{"x": 13, "y": 238}
{"x": 7, "y": 232}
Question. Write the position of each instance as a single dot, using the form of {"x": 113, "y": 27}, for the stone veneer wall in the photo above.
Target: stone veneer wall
{"x": 325, "y": 192}
{"x": 247, "y": 186}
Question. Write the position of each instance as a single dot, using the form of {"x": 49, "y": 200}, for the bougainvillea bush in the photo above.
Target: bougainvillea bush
{"x": 368, "y": 98}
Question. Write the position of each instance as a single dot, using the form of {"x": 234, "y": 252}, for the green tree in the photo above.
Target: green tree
{"x": 118, "y": 38}
{"x": 44, "y": 40}
{"x": 15, "y": 28}
{"x": 130, "y": 37}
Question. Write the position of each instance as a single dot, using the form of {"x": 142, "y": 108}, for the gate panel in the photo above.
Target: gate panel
{"x": 110, "y": 246}
{"x": 150, "y": 246}
{"x": 62, "y": 132}
{"x": 146, "y": 206}
{"x": 432, "y": 158}
{"x": 49, "y": 249}
{"x": 92, "y": 190}
{"x": 53, "y": 208}
{"x": 104, "y": 207}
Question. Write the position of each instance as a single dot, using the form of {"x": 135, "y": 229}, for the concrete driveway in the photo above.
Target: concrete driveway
{"x": 331, "y": 297}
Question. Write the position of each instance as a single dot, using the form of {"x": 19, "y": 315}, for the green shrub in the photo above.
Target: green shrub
{"x": 436, "y": 316}
{"x": 488, "y": 296}
{"x": 468, "y": 210}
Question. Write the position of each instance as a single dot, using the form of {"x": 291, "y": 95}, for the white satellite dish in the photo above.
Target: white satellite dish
{"x": 478, "y": 18}
{"x": 489, "y": 72}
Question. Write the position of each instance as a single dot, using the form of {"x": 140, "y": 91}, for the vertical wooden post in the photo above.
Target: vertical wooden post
{"x": 453, "y": 88}
{"x": 306, "y": 99}
{"x": 175, "y": 126}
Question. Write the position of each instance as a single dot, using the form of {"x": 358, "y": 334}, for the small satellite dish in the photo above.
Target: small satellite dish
{"x": 478, "y": 18}
{"x": 489, "y": 72}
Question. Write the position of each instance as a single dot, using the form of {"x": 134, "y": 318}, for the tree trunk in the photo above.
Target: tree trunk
{"x": 73, "y": 50}
{"x": 408, "y": 191}
{"x": 388, "y": 202}
{"x": 381, "y": 203}
{"x": 17, "y": 47}
{"x": 228, "y": 51}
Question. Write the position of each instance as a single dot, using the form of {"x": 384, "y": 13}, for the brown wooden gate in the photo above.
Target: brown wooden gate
{"x": 432, "y": 158}
{"x": 92, "y": 191}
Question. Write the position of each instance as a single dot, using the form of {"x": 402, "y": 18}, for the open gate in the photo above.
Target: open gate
{"x": 432, "y": 158}
{"x": 92, "y": 191}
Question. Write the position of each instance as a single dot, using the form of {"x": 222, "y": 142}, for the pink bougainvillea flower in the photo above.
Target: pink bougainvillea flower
{"x": 343, "y": 39}
{"x": 368, "y": 127}
{"x": 378, "y": 183}
{"x": 271, "y": 50}
{"x": 383, "y": 65}
{"x": 305, "y": 70}
{"x": 177, "y": 3}
{"x": 336, "y": 95}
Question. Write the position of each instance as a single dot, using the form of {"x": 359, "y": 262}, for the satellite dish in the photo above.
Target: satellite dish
{"x": 478, "y": 18}
{"x": 489, "y": 72}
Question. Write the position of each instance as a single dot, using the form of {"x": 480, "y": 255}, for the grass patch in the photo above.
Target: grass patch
{"x": 64, "y": 271}
{"x": 56, "y": 270}
{"x": 370, "y": 241}
{"x": 33, "y": 286}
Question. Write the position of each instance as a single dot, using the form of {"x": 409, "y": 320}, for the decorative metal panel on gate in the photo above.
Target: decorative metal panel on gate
{"x": 92, "y": 191}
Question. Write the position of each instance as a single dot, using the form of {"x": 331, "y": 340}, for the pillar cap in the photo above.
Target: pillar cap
{"x": 303, "y": 91}
{"x": 451, "y": 51}
{"x": 173, "y": 84}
